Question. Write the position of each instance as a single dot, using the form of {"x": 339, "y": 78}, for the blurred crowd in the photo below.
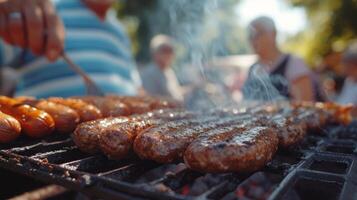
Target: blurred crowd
{"x": 36, "y": 33}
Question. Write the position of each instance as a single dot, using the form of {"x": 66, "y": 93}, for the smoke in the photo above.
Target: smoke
{"x": 197, "y": 28}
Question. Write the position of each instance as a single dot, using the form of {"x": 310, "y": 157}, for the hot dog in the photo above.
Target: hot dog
{"x": 66, "y": 119}
{"x": 34, "y": 122}
{"x": 85, "y": 111}
{"x": 10, "y": 128}
{"x": 109, "y": 107}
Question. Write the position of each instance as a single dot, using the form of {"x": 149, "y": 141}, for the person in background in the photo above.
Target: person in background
{"x": 275, "y": 73}
{"x": 34, "y": 34}
{"x": 348, "y": 94}
{"x": 158, "y": 78}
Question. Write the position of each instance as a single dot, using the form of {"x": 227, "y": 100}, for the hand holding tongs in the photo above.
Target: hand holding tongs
{"x": 92, "y": 88}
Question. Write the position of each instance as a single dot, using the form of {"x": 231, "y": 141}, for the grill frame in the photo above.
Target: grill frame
{"x": 99, "y": 185}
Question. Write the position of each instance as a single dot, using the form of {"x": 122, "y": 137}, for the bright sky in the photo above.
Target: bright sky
{"x": 289, "y": 20}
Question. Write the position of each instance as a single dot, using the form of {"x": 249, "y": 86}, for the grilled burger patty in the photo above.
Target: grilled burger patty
{"x": 117, "y": 141}
{"x": 167, "y": 142}
{"x": 87, "y": 134}
{"x": 234, "y": 149}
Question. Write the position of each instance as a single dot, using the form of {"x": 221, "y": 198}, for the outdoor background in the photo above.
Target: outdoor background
{"x": 315, "y": 30}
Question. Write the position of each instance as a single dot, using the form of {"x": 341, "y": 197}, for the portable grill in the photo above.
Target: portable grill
{"x": 324, "y": 166}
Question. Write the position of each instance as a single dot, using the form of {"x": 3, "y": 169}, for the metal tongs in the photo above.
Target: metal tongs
{"x": 92, "y": 88}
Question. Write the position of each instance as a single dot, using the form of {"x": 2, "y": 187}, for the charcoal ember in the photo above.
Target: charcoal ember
{"x": 257, "y": 187}
{"x": 204, "y": 183}
{"x": 163, "y": 188}
{"x": 256, "y": 192}
{"x": 157, "y": 173}
{"x": 230, "y": 196}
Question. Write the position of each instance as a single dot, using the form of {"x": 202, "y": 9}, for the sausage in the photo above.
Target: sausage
{"x": 136, "y": 105}
{"x": 109, "y": 107}
{"x": 85, "y": 111}
{"x": 233, "y": 149}
{"x": 10, "y": 128}
{"x": 116, "y": 141}
{"x": 166, "y": 142}
{"x": 141, "y": 104}
{"x": 34, "y": 122}
{"x": 86, "y": 135}
{"x": 290, "y": 129}
{"x": 66, "y": 119}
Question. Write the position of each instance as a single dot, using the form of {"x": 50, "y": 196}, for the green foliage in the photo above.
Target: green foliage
{"x": 332, "y": 25}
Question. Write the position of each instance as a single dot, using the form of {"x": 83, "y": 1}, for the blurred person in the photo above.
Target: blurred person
{"x": 348, "y": 94}
{"x": 34, "y": 34}
{"x": 275, "y": 73}
{"x": 158, "y": 77}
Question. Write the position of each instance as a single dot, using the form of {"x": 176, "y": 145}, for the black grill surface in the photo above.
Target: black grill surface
{"x": 323, "y": 166}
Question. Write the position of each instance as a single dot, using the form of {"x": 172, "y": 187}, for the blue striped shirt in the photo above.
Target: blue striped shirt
{"x": 101, "y": 48}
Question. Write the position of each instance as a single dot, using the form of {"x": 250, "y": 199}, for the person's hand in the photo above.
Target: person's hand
{"x": 32, "y": 24}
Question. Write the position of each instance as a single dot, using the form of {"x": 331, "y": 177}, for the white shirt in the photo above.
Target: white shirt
{"x": 349, "y": 93}
{"x": 295, "y": 68}
{"x": 158, "y": 82}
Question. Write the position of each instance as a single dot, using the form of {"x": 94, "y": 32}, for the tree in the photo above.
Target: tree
{"x": 332, "y": 25}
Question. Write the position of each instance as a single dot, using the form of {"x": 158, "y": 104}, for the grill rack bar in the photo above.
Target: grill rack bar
{"x": 116, "y": 181}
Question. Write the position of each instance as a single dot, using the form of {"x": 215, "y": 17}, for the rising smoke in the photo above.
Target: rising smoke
{"x": 197, "y": 27}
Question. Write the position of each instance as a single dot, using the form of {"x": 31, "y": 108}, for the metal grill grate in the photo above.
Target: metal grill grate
{"x": 322, "y": 167}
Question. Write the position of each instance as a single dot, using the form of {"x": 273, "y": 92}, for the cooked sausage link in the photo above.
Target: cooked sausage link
{"x": 167, "y": 142}
{"x": 86, "y": 135}
{"x": 109, "y": 107}
{"x": 85, "y": 111}
{"x": 66, "y": 119}
{"x": 136, "y": 104}
{"x": 116, "y": 141}
{"x": 34, "y": 122}
{"x": 10, "y": 128}
{"x": 234, "y": 150}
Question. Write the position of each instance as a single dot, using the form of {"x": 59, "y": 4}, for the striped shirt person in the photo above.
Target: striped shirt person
{"x": 101, "y": 48}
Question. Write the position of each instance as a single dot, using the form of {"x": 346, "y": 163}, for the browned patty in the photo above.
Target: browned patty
{"x": 290, "y": 129}
{"x": 313, "y": 119}
{"x": 86, "y": 135}
{"x": 232, "y": 149}
{"x": 86, "y": 112}
{"x": 167, "y": 142}
{"x": 116, "y": 141}
{"x": 109, "y": 107}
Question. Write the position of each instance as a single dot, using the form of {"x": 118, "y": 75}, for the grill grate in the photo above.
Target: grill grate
{"x": 322, "y": 167}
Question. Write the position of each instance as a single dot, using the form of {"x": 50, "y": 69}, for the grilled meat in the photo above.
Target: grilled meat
{"x": 10, "y": 128}
{"x": 167, "y": 142}
{"x": 234, "y": 149}
{"x": 85, "y": 111}
{"x": 142, "y": 104}
{"x": 86, "y": 135}
{"x": 117, "y": 140}
{"x": 34, "y": 122}
{"x": 290, "y": 131}
{"x": 110, "y": 107}
{"x": 66, "y": 118}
